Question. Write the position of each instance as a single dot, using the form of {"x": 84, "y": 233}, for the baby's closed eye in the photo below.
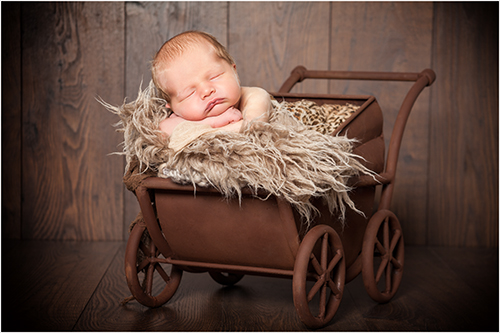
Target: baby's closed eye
{"x": 216, "y": 76}
{"x": 187, "y": 95}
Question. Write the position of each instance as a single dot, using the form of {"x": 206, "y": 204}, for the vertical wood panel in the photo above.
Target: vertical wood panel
{"x": 447, "y": 181}
{"x": 72, "y": 52}
{"x": 463, "y": 179}
{"x": 390, "y": 37}
{"x": 149, "y": 25}
{"x": 11, "y": 120}
{"x": 268, "y": 39}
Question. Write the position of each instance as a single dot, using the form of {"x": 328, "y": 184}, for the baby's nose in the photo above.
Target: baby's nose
{"x": 208, "y": 90}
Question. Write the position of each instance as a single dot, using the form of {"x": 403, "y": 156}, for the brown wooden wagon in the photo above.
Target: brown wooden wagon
{"x": 207, "y": 233}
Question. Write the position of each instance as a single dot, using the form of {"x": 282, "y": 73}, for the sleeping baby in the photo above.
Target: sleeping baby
{"x": 197, "y": 77}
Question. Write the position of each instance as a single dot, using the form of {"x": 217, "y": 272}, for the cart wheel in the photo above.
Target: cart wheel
{"x": 226, "y": 279}
{"x": 328, "y": 272}
{"x": 165, "y": 282}
{"x": 383, "y": 251}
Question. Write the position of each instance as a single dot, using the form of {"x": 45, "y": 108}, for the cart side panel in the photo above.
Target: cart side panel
{"x": 373, "y": 153}
{"x": 205, "y": 227}
{"x": 208, "y": 228}
{"x": 366, "y": 126}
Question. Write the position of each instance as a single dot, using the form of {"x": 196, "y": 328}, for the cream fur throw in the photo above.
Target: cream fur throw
{"x": 282, "y": 157}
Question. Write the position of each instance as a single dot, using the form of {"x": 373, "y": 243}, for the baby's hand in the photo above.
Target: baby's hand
{"x": 231, "y": 115}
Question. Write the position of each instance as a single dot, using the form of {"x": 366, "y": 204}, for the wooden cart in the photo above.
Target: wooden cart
{"x": 207, "y": 233}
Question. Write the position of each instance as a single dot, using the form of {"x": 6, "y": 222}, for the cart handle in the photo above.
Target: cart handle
{"x": 423, "y": 79}
{"x": 300, "y": 73}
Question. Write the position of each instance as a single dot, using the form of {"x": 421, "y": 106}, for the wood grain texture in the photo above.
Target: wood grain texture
{"x": 149, "y": 25}
{"x": 48, "y": 284}
{"x": 200, "y": 304}
{"x": 389, "y": 36}
{"x": 61, "y": 56}
{"x": 432, "y": 296}
{"x": 267, "y": 40}
{"x": 11, "y": 120}
{"x": 70, "y": 56}
{"x": 482, "y": 265}
{"x": 443, "y": 289}
{"x": 463, "y": 178}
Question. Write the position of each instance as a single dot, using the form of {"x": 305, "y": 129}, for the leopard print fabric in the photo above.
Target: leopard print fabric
{"x": 324, "y": 118}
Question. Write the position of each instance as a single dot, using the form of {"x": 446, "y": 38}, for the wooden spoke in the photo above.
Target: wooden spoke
{"x": 386, "y": 234}
{"x": 334, "y": 288}
{"x": 334, "y": 261}
{"x": 396, "y": 263}
{"x": 149, "y": 279}
{"x": 314, "y": 290}
{"x": 322, "y": 302}
{"x": 394, "y": 240}
{"x": 162, "y": 273}
{"x": 380, "y": 247}
{"x": 381, "y": 269}
{"x": 317, "y": 267}
{"x": 324, "y": 252}
{"x": 142, "y": 265}
{"x": 388, "y": 279}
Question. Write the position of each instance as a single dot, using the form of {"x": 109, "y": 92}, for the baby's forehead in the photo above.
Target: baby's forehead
{"x": 189, "y": 67}
{"x": 190, "y": 46}
{"x": 205, "y": 54}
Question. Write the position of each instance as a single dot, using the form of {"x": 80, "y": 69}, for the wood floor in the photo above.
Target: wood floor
{"x": 78, "y": 286}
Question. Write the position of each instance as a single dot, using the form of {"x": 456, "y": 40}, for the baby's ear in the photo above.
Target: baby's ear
{"x": 168, "y": 106}
{"x": 236, "y": 74}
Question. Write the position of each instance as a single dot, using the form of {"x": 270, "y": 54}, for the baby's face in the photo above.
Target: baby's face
{"x": 200, "y": 84}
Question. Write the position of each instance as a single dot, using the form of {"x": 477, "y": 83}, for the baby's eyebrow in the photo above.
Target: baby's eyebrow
{"x": 217, "y": 67}
{"x": 216, "y": 72}
{"x": 180, "y": 94}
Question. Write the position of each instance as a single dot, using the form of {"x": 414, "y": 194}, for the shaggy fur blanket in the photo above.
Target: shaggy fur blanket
{"x": 283, "y": 157}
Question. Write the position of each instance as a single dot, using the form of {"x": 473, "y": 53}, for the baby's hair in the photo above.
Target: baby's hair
{"x": 176, "y": 46}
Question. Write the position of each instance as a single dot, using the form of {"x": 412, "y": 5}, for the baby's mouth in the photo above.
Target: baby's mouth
{"x": 212, "y": 104}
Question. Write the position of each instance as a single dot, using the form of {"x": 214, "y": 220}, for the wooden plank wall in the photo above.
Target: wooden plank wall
{"x": 463, "y": 155}
{"x": 71, "y": 53}
{"x": 59, "y": 181}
